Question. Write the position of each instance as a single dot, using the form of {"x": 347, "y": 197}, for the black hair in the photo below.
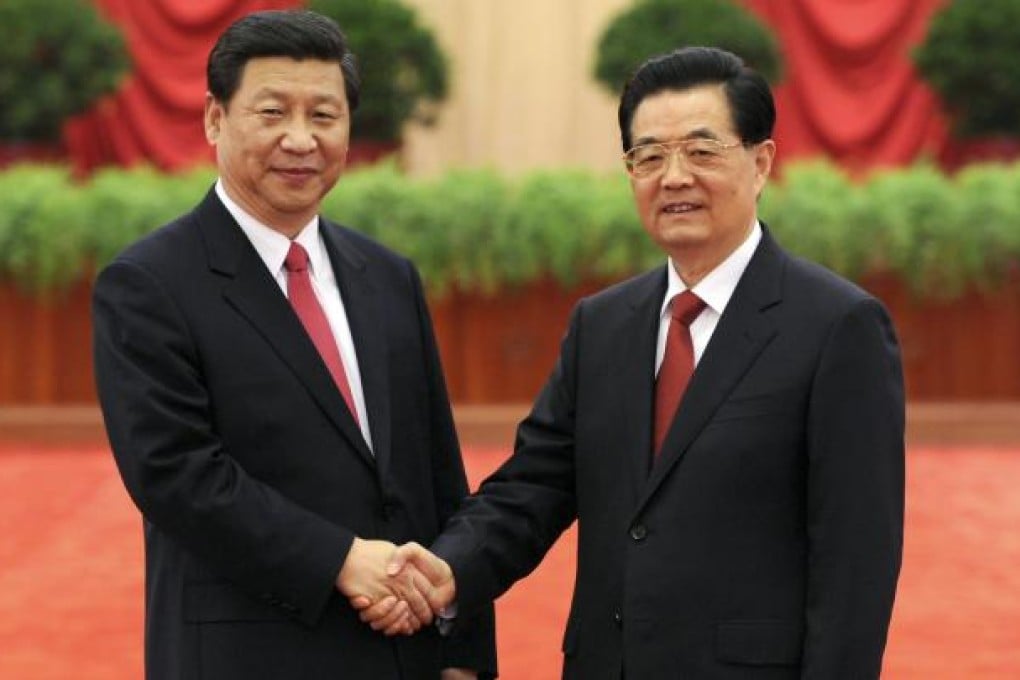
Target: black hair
{"x": 298, "y": 34}
{"x": 749, "y": 97}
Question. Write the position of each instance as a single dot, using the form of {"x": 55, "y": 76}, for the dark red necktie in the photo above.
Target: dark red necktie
{"x": 677, "y": 363}
{"x": 303, "y": 300}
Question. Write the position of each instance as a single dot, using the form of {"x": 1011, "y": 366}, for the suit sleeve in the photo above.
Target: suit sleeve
{"x": 472, "y": 643}
{"x": 855, "y": 495}
{"x": 504, "y": 530}
{"x": 186, "y": 484}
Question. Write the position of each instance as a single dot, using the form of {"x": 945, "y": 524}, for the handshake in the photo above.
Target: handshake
{"x": 396, "y": 590}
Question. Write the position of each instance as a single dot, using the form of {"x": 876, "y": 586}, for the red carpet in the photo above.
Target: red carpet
{"x": 71, "y": 574}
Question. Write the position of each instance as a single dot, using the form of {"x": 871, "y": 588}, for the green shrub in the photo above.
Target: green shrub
{"x": 989, "y": 214}
{"x": 403, "y": 71}
{"x": 461, "y": 212}
{"x": 57, "y": 57}
{"x": 40, "y": 237}
{"x": 652, "y": 27}
{"x": 475, "y": 230}
{"x": 819, "y": 214}
{"x": 916, "y": 215}
{"x": 971, "y": 58}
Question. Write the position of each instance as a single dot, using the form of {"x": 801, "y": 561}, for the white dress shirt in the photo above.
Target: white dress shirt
{"x": 715, "y": 290}
{"x": 272, "y": 247}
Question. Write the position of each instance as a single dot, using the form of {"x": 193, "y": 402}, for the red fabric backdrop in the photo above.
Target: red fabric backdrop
{"x": 850, "y": 91}
{"x": 156, "y": 116}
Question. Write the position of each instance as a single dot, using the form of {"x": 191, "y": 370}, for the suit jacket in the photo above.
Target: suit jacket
{"x": 765, "y": 540}
{"x": 251, "y": 474}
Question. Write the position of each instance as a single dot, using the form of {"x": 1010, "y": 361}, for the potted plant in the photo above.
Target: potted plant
{"x": 57, "y": 57}
{"x": 652, "y": 27}
{"x": 403, "y": 70}
{"x": 971, "y": 58}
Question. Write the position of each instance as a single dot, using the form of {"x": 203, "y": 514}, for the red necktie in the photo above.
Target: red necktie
{"x": 303, "y": 300}
{"x": 677, "y": 363}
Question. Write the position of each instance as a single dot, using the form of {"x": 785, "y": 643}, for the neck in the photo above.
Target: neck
{"x": 692, "y": 264}
{"x": 287, "y": 224}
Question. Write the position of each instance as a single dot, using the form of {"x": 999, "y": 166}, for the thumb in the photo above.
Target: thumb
{"x": 401, "y": 556}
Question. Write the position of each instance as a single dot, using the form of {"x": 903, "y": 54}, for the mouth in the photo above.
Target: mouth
{"x": 680, "y": 207}
{"x": 296, "y": 173}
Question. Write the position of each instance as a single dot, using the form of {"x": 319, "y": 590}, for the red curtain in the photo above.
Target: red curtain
{"x": 156, "y": 116}
{"x": 849, "y": 93}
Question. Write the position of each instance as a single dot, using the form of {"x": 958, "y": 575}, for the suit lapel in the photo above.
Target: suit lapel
{"x": 251, "y": 290}
{"x": 636, "y": 375}
{"x": 743, "y": 332}
{"x": 364, "y": 314}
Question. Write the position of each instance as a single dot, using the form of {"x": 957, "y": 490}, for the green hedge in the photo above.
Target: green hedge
{"x": 477, "y": 230}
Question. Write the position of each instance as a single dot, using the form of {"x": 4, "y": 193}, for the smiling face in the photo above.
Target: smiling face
{"x": 281, "y": 141}
{"x": 697, "y": 217}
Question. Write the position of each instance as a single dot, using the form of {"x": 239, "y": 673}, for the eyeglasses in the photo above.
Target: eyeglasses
{"x": 651, "y": 160}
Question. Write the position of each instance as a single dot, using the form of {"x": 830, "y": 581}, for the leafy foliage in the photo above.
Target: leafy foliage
{"x": 476, "y": 230}
{"x": 57, "y": 57}
{"x": 971, "y": 58}
{"x": 652, "y": 27}
{"x": 403, "y": 71}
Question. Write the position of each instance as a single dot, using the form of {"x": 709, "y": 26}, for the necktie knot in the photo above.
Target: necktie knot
{"x": 686, "y": 307}
{"x": 297, "y": 258}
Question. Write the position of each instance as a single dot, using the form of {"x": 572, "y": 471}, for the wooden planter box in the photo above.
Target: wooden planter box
{"x": 45, "y": 347}
{"x": 966, "y": 349}
{"x": 500, "y": 349}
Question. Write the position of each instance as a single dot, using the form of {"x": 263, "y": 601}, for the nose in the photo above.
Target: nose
{"x": 676, "y": 171}
{"x": 298, "y": 138}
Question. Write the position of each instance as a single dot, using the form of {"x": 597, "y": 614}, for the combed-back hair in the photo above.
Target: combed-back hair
{"x": 749, "y": 96}
{"x": 298, "y": 34}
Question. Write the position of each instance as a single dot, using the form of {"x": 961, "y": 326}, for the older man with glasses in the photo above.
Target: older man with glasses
{"x": 727, "y": 429}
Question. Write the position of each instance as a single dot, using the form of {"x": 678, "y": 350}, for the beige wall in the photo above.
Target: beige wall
{"x": 522, "y": 96}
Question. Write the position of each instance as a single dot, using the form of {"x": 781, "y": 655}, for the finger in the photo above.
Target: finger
{"x": 378, "y": 610}
{"x": 361, "y": 602}
{"x": 437, "y": 597}
{"x": 433, "y": 568}
{"x": 408, "y": 626}
{"x": 415, "y": 589}
{"x": 393, "y": 617}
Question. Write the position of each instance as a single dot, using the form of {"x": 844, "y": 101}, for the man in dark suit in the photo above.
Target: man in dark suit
{"x": 273, "y": 395}
{"x": 740, "y": 519}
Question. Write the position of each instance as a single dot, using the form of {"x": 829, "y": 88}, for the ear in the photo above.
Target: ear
{"x": 764, "y": 154}
{"x": 213, "y": 118}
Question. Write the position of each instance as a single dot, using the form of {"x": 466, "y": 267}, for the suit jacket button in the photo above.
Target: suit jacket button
{"x": 618, "y": 619}
{"x": 638, "y": 532}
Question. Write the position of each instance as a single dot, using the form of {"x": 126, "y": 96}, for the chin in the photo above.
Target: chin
{"x": 681, "y": 235}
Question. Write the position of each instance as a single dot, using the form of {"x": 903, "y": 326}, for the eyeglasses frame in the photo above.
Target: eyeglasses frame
{"x": 672, "y": 149}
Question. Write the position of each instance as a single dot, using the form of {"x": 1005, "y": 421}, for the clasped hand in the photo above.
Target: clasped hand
{"x": 396, "y": 590}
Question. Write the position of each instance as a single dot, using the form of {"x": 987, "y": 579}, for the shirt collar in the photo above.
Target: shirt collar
{"x": 271, "y": 245}
{"x": 717, "y": 287}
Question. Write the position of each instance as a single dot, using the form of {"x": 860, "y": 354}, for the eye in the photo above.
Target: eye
{"x": 647, "y": 155}
{"x": 270, "y": 112}
{"x": 324, "y": 115}
{"x": 702, "y": 150}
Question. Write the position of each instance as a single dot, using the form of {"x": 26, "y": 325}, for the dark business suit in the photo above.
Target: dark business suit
{"x": 765, "y": 540}
{"x": 252, "y": 475}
